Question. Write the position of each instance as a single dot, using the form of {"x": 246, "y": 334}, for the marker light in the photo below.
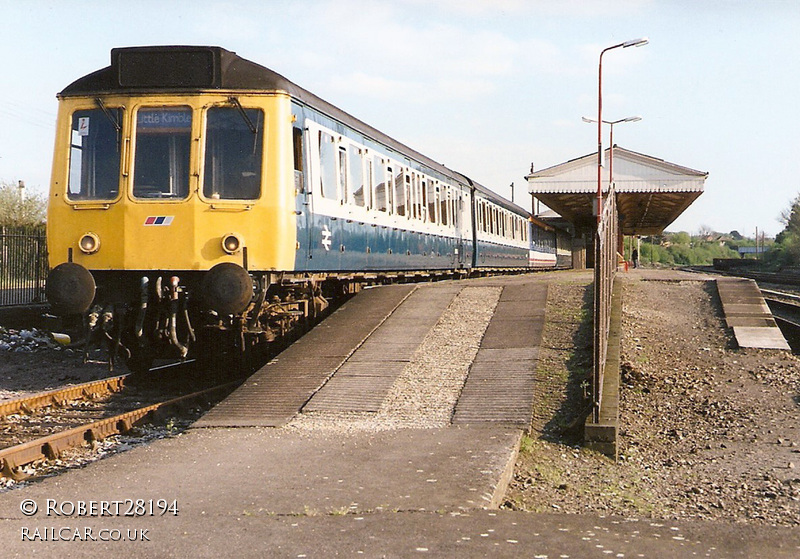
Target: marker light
{"x": 89, "y": 243}
{"x": 231, "y": 243}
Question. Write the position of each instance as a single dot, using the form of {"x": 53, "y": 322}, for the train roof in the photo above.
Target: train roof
{"x": 183, "y": 69}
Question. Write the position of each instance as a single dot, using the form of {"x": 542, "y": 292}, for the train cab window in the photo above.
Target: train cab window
{"x": 327, "y": 166}
{"x": 163, "y": 143}
{"x": 94, "y": 157}
{"x": 234, "y": 147}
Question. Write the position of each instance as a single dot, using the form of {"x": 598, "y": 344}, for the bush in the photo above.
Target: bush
{"x": 20, "y": 210}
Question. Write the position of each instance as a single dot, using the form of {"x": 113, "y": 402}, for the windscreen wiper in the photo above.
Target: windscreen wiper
{"x": 242, "y": 112}
{"x": 111, "y": 118}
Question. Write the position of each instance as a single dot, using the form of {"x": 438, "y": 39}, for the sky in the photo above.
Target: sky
{"x": 486, "y": 87}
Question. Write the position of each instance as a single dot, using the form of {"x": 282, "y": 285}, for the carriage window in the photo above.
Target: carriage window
{"x": 297, "y": 142}
{"x": 417, "y": 201}
{"x": 412, "y": 182}
{"x": 327, "y": 164}
{"x": 163, "y": 142}
{"x": 345, "y": 188}
{"x": 382, "y": 188}
{"x": 433, "y": 201}
{"x": 370, "y": 182}
{"x": 451, "y": 206}
{"x": 410, "y": 196}
{"x": 94, "y": 155}
{"x": 423, "y": 200}
{"x": 357, "y": 186}
{"x": 400, "y": 198}
{"x": 445, "y": 204}
{"x": 234, "y": 142}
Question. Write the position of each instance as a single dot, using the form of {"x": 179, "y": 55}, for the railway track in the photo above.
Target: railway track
{"x": 785, "y": 309}
{"x": 44, "y": 425}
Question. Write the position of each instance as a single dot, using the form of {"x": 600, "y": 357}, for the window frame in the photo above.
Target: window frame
{"x": 297, "y": 142}
{"x": 134, "y": 152}
{"x": 123, "y": 143}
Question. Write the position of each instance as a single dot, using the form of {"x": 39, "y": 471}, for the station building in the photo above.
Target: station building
{"x": 651, "y": 194}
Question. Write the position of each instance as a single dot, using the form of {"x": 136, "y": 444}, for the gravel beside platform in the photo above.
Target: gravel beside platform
{"x": 426, "y": 392}
{"x": 708, "y": 431}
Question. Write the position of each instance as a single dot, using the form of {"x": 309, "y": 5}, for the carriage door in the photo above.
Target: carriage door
{"x": 462, "y": 224}
{"x": 302, "y": 189}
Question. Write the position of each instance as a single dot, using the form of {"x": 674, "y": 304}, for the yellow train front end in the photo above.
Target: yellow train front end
{"x": 158, "y": 182}
{"x": 167, "y": 195}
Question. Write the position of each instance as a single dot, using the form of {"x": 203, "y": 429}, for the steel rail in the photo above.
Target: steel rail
{"x": 51, "y": 446}
{"x": 61, "y": 396}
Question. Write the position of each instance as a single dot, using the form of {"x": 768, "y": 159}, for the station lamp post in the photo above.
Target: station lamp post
{"x": 611, "y": 123}
{"x": 634, "y": 43}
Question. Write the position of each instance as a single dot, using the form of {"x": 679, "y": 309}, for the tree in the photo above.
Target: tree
{"x": 786, "y": 249}
{"x": 791, "y": 218}
{"x": 18, "y": 209}
{"x": 681, "y": 238}
{"x": 704, "y": 231}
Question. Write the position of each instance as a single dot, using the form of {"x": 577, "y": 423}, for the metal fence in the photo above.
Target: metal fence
{"x": 605, "y": 269}
{"x": 23, "y": 265}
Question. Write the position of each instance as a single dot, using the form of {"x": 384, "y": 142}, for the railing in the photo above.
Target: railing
{"x": 605, "y": 258}
{"x": 23, "y": 265}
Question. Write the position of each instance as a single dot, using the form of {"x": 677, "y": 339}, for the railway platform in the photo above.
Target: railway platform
{"x": 743, "y": 307}
{"x": 246, "y": 483}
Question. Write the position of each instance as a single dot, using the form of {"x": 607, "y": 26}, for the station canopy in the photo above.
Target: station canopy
{"x": 651, "y": 192}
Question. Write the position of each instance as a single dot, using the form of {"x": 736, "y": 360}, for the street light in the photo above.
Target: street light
{"x": 611, "y": 123}
{"x": 634, "y": 43}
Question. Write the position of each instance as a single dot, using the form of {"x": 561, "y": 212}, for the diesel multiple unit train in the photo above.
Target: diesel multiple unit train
{"x": 198, "y": 196}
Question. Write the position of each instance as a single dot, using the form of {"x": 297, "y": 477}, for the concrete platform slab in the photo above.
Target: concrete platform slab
{"x": 500, "y": 383}
{"x": 474, "y": 534}
{"x": 273, "y": 395}
{"x": 760, "y": 337}
{"x": 365, "y": 378}
{"x": 748, "y": 315}
{"x": 219, "y": 474}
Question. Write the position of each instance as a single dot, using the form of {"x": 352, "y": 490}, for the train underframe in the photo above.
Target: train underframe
{"x": 142, "y": 317}
{"x": 169, "y": 316}
{"x": 227, "y": 317}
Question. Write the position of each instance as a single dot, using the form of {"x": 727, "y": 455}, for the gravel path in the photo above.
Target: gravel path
{"x": 426, "y": 392}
